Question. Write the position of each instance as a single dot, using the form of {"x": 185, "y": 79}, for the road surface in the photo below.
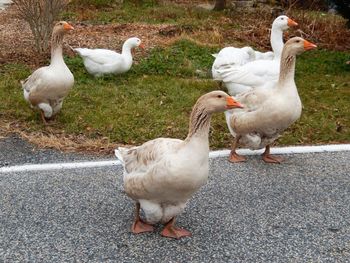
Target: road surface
{"x": 298, "y": 211}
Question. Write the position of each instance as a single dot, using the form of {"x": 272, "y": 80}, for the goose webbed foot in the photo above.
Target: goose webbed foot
{"x": 174, "y": 232}
{"x": 268, "y": 158}
{"x": 236, "y": 158}
{"x": 139, "y": 226}
{"x": 47, "y": 121}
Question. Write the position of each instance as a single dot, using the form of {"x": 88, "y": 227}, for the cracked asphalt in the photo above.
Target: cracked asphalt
{"x": 298, "y": 211}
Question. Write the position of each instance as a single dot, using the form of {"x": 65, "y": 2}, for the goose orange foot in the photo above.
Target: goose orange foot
{"x": 236, "y": 158}
{"x": 141, "y": 227}
{"x": 271, "y": 158}
{"x": 174, "y": 232}
{"x": 268, "y": 158}
{"x": 47, "y": 121}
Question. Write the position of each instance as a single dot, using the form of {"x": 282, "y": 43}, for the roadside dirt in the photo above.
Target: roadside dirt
{"x": 17, "y": 43}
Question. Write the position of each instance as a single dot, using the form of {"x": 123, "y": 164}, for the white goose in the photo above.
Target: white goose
{"x": 103, "y": 61}
{"x": 163, "y": 174}
{"x": 46, "y": 87}
{"x": 231, "y": 56}
{"x": 268, "y": 112}
{"x": 240, "y": 77}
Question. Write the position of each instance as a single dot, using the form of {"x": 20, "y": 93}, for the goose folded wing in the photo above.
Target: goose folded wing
{"x": 233, "y": 56}
{"x": 99, "y": 56}
{"x": 35, "y": 80}
{"x": 142, "y": 158}
{"x": 240, "y": 75}
{"x": 254, "y": 99}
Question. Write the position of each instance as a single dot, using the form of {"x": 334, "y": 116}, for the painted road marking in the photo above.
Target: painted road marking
{"x": 213, "y": 154}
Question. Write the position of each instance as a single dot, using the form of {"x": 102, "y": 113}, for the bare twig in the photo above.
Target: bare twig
{"x": 40, "y": 15}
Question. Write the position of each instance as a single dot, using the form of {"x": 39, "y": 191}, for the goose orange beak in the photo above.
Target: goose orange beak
{"x": 231, "y": 103}
{"x": 68, "y": 27}
{"x": 291, "y": 22}
{"x": 142, "y": 46}
{"x": 308, "y": 45}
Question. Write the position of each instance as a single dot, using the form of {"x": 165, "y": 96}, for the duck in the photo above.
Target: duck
{"x": 241, "y": 77}
{"x": 47, "y": 86}
{"x": 269, "y": 111}
{"x": 104, "y": 61}
{"x": 161, "y": 175}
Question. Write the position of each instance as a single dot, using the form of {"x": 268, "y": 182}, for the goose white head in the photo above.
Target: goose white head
{"x": 218, "y": 101}
{"x": 283, "y": 23}
{"x": 134, "y": 42}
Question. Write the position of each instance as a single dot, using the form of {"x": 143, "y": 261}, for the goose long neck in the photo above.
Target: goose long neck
{"x": 56, "y": 48}
{"x": 199, "y": 122}
{"x": 287, "y": 68}
{"x": 276, "y": 39}
{"x": 126, "y": 50}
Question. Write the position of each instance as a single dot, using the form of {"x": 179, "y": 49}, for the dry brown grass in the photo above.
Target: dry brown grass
{"x": 327, "y": 31}
{"x": 238, "y": 29}
{"x": 49, "y": 139}
{"x": 111, "y": 36}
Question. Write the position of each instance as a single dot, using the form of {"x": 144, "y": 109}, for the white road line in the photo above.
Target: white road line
{"x": 58, "y": 166}
{"x": 214, "y": 154}
{"x": 288, "y": 150}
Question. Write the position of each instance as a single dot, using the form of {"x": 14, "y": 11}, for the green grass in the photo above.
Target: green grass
{"x": 323, "y": 80}
{"x": 155, "y": 98}
{"x": 149, "y": 12}
{"x": 182, "y": 60}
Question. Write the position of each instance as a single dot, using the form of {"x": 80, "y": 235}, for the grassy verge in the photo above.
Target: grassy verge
{"x": 155, "y": 98}
{"x": 147, "y": 12}
{"x": 219, "y": 28}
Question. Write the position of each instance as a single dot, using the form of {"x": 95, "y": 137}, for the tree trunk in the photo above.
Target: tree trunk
{"x": 220, "y": 5}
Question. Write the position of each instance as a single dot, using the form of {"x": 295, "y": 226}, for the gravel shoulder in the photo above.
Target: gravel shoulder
{"x": 298, "y": 211}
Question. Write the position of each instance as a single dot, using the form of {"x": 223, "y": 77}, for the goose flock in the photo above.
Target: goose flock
{"x": 161, "y": 175}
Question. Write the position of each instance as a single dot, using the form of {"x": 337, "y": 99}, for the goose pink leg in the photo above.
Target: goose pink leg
{"x": 234, "y": 156}
{"x": 43, "y": 117}
{"x": 268, "y": 158}
{"x": 174, "y": 232}
{"x": 139, "y": 226}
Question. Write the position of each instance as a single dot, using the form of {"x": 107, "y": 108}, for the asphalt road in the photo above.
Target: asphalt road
{"x": 15, "y": 151}
{"x": 298, "y": 211}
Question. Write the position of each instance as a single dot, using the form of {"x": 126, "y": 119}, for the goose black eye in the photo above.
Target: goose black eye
{"x": 298, "y": 41}
{"x": 219, "y": 96}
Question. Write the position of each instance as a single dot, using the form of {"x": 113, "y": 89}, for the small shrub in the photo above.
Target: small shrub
{"x": 40, "y": 15}
{"x": 306, "y": 4}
